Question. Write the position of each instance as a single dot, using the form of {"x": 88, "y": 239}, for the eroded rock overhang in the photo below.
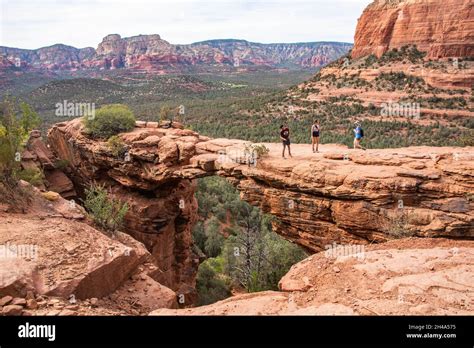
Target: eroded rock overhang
{"x": 339, "y": 195}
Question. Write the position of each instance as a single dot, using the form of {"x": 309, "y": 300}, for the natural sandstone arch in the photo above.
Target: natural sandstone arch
{"x": 339, "y": 195}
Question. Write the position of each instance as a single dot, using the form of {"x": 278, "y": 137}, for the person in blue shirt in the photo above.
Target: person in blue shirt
{"x": 358, "y": 135}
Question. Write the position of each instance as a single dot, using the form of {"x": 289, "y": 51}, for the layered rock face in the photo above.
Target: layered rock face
{"x": 54, "y": 263}
{"x": 152, "y": 53}
{"x": 442, "y": 28}
{"x": 329, "y": 201}
{"x": 338, "y": 195}
{"x": 56, "y": 57}
{"x": 311, "y": 54}
{"x": 6, "y": 64}
{"x": 162, "y": 207}
{"x": 439, "y": 93}
{"x": 351, "y": 196}
{"x": 38, "y": 157}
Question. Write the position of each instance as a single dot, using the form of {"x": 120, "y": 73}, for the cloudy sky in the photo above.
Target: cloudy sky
{"x": 82, "y": 23}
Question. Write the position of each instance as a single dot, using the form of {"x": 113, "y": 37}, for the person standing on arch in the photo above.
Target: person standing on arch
{"x": 315, "y": 132}
{"x": 358, "y": 135}
{"x": 285, "y": 138}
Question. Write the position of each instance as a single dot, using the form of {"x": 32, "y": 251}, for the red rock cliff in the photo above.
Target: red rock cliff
{"x": 161, "y": 212}
{"x": 442, "y": 28}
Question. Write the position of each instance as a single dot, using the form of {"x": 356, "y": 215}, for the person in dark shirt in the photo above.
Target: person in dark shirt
{"x": 285, "y": 138}
{"x": 315, "y": 132}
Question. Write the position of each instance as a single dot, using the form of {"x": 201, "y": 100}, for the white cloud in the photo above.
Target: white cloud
{"x": 81, "y": 23}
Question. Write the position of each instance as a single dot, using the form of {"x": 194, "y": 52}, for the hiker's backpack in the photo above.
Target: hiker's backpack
{"x": 361, "y": 133}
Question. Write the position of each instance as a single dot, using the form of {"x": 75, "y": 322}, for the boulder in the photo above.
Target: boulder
{"x": 12, "y": 310}
{"x": 100, "y": 264}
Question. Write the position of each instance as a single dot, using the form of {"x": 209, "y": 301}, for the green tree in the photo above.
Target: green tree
{"x": 256, "y": 257}
{"x": 110, "y": 120}
{"x": 214, "y": 238}
{"x": 106, "y": 212}
{"x": 210, "y": 284}
{"x": 253, "y": 256}
{"x": 166, "y": 113}
{"x": 16, "y": 121}
{"x": 199, "y": 235}
{"x": 117, "y": 146}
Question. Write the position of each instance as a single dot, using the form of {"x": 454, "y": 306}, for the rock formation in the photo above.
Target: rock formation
{"x": 337, "y": 195}
{"x": 5, "y": 63}
{"x": 162, "y": 207}
{"x": 348, "y": 196}
{"x": 323, "y": 202}
{"x": 56, "y": 57}
{"x": 442, "y": 28}
{"x": 403, "y": 277}
{"x": 152, "y": 53}
{"x": 38, "y": 157}
{"x": 53, "y": 262}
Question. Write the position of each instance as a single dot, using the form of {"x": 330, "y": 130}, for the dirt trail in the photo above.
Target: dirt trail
{"x": 304, "y": 151}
